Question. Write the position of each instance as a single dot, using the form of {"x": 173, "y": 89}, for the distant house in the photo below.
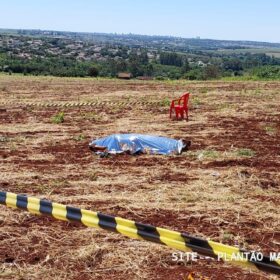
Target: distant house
{"x": 124, "y": 75}
{"x": 201, "y": 63}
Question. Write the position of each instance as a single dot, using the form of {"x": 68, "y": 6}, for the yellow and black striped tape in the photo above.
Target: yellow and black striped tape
{"x": 172, "y": 239}
{"x": 83, "y": 104}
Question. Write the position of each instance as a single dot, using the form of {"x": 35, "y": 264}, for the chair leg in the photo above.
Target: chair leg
{"x": 177, "y": 114}
{"x": 170, "y": 113}
{"x": 182, "y": 114}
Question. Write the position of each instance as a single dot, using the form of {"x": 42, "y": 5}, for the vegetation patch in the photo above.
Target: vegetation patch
{"x": 165, "y": 102}
{"x": 4, "y": 139}
{"x": 92, "y": 116}
{"x": 244, "y": 152}
{"x": 270, "y": 129}
{"x": 205, "y": 154}
{"x": 196, "y": 101}
{"x": 79, "y": 137}
{"x": 58, "y": 118}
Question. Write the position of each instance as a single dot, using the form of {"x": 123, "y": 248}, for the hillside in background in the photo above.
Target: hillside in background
{"x": 133, "y": 40}
{"x": 61, "y": 53}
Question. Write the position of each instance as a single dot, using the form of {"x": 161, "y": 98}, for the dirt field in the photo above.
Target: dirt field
{"x": 226, "y": 188}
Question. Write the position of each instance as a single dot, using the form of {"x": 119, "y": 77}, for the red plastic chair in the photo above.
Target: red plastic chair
{"x": 180, "y": 107}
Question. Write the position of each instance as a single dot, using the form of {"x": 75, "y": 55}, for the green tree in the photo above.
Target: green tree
{"x": 233, "y": 64}
{"x": 168, "y": 58}
{"x": 194, "y": 74}
{"x": 186, "y": 67}
{"x": 211, "y": 72}
{"x": 93, "y": 71}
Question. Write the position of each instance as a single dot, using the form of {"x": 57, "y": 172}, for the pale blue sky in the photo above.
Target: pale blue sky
{"x": 216, "y": 19}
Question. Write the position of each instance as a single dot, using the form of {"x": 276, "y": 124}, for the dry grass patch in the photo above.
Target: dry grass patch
{"x": 225, "y": 188}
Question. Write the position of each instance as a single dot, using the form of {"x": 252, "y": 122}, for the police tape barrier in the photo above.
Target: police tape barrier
{"x": 84, "y": 104}
{"x": 172, "y": 239}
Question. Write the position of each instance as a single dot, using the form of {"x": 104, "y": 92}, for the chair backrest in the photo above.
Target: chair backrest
{"x": 185, "y": 99}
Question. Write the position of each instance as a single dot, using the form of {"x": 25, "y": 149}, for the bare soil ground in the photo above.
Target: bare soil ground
{"x": 226, "y": 188}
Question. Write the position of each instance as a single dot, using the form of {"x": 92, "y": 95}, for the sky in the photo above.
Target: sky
{"x": 256, "y": 20}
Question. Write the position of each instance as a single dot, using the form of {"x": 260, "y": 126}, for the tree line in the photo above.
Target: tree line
{"x": 169, "y": 65}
